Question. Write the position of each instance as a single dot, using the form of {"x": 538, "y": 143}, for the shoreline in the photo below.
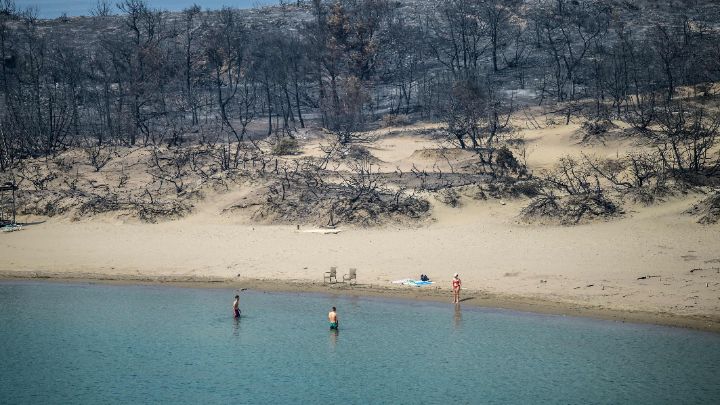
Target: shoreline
{"x": 475, "y": 298}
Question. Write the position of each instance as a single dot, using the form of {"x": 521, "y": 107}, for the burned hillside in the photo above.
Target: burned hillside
{"x": 195, "y": 100}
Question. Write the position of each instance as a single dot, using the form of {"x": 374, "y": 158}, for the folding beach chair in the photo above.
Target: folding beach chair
{"x": 350, "y": 277}
{"x": 330, "y": 275}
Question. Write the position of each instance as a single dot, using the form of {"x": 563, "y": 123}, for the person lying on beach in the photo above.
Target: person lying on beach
{"x": 333, "y": 319}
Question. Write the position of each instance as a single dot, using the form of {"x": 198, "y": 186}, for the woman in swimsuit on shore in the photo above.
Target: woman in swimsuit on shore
{"x": 456, "y": 288}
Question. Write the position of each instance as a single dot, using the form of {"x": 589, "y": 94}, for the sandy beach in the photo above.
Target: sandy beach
{"x": 656, "y": 266}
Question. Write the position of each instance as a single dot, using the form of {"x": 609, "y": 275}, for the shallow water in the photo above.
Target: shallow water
{"x": 55, "y": 8}
{"x": 80, "y": 343}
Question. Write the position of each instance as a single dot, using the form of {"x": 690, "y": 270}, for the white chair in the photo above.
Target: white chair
{"x": 330, "y": 275}
{"x": 350, "y": 277}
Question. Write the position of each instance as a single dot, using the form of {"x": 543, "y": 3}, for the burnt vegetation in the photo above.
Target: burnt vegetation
{"x": 203, "y": 100}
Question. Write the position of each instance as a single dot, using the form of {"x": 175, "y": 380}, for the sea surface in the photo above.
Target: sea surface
{"x": 100, "y": 344}
{"x": 55, "y": 8}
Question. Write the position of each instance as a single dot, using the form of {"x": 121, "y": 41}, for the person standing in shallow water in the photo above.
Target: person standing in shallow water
{"x": 333, "y": 319}
{"x": 236, "y": 307}
{"x": 456, "y": 283}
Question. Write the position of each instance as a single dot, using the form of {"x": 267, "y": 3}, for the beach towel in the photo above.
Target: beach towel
{"x": 411, "y": 282}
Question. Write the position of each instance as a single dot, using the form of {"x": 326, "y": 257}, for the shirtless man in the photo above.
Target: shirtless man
{"x": 333, "y": 319}
{"x": 456, "y": 288}
{"x": 236, "y": 306}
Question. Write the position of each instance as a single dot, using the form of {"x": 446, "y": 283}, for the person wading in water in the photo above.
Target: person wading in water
{"x": 333, "y": 319}
{"x": 236, "y": 307}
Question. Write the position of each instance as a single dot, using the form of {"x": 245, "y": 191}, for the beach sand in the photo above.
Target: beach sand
{"x": 598, "y": 267}
{"x": 655, "y": 264}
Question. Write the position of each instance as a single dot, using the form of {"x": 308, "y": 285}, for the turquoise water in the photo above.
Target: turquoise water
{"x": 81, "y": 343}
{"x": 55, "y": 8}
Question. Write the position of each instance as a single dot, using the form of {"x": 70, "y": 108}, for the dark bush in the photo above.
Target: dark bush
{"x": 572, "y": 209}
{"x": 708, "y": 209}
